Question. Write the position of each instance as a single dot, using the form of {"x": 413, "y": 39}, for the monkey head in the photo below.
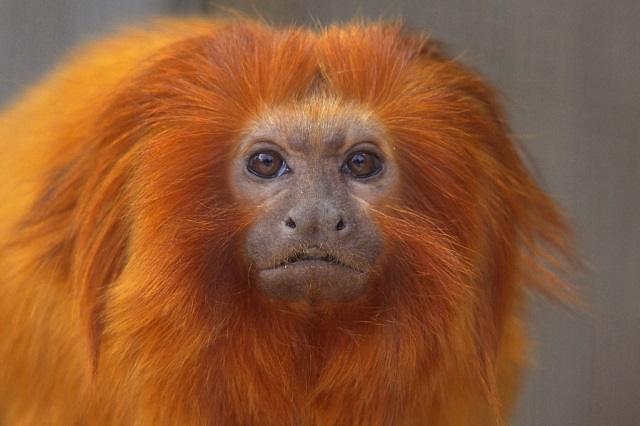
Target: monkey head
{"x": 314, "y": 169}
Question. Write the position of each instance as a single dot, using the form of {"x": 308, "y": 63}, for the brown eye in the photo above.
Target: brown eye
{"x": 267, "y": 165}
{"x": 362, "y": 165}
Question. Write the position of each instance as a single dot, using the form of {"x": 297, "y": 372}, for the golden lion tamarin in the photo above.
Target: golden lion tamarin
{"x": 227, "y": 223}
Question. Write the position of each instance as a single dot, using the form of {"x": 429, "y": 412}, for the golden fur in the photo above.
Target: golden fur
{"x": 123, "y": 291}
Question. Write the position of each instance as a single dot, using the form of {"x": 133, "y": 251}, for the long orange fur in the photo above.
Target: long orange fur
{"x": 124, "y": 298}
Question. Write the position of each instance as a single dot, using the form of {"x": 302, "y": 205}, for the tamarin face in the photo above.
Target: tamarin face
{"x": 313, "y": 171}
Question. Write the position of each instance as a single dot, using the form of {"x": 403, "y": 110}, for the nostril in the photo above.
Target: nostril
{"x": 340, "y": 226}
{"x": 290, "y": 223}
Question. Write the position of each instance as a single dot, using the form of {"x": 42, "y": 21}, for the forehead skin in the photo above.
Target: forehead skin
{"x": 317, "y": 126}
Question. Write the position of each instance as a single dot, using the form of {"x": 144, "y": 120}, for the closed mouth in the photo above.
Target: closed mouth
{"x": 312, "y": 274}
{"x": 310, "y": 254}
{"x": 302, "y": 256}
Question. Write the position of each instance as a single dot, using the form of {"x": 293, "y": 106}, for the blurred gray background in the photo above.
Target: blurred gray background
{"x": 570, "y": 71}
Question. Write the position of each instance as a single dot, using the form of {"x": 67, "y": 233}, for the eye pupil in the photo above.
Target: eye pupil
{"x": 358, "y": 161}
{"x": 363, "y": 165}
{"x": 266, "y": 159}
{"x": 266, "y": 164}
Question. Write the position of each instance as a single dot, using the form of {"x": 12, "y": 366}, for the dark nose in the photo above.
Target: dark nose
{"x": 322, "y": 218}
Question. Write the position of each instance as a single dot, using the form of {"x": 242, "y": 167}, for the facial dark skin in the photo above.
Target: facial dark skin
{"x": 314, "y": 171}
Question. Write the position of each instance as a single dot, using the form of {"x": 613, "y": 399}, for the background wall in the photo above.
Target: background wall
{"x": 571, "y": 73}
